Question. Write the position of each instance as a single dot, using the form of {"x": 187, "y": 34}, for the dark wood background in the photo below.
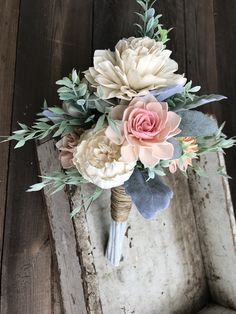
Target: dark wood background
{"x": 41, "y": 41}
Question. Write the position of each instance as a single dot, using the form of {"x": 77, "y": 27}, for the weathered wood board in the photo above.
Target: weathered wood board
{"x": 215, "y": 309}
{"x": 217, "y": 230}
{"x": 63, "y": 237}
{"x": 172, "y": 264}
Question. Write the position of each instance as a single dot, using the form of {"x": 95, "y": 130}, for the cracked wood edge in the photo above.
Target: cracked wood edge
{"x": 217, "y": 229}
{"x": 63, "y": 236}
{"x": 85, "y": 252}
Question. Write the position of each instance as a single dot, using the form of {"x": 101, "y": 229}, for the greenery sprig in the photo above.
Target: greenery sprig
{"x": 188, "y": 99}
{"x": 58, "y": 180}
{"x": 216, "y": 143}
{"x": 74, "y": 90}
{"x": 53, "y": 121}
{"x": 150, "y": 22}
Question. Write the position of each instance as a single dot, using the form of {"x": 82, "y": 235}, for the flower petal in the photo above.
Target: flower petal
{"x": 146, "y": 157}
{"x": 163, "y": 150}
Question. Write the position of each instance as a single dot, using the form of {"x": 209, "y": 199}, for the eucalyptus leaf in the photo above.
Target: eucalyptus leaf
{"x": 21, "y": 143}
{"x": 150, "y": 13}
{"x": 56, "y": 110}
{"x": 150, "y": 24}
{"x": 113, "y": 124}
{"x": 198, "y": 101}
{"x": 149, "y": 196}
{"x": 36, "y": 187}
{"x": 65, "y": 81}
{"x": 82, "y": 89}
{"x": 100, "y": 122}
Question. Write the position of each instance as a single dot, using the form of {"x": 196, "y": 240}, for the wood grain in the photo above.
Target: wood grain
{"x": 173, "y": 12}
{"x": 217, "y": 229}
{"x": 55, "y": 36}
{"x": 50, "y": 44}
{"x": 26, "y": 286}
{"x": 117, "y": 18}
{"x": 166, "y": 263}
{"x": 9, "y": 15}
{"x": 225, "y": 29}
{"x": 201, "y": 50}
{"x": 215, "y": 309}
{"x": 63, "y": 236}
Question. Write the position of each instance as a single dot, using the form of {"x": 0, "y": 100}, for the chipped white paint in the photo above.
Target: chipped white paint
{"x": 215, "y": 309}
{"x": 162, "y": 269}
{"x": 165, "y": 261}
{"x": 216, "y": 228}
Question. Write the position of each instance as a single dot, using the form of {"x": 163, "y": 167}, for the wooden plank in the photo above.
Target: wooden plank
{"x": 166, "y": 263}
{"x": 56, "y": 291}
{"x": 50, "y": 44}
{"x": 9, "y": 13}
{"x": 215, "y": 309}
{"x": 200, "y": 49}
{"x": 217, "y": 230}
{"x": 62, "y": 235}
{"x": 225, "y": 24}
{"x": 117, "y": 17}
{"x": 26, "y": 270}
{"x": 173, "y": 12}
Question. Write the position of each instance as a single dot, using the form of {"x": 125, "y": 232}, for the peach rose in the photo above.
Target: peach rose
{"x": 145, "y": 129}
{"x": 189, "y": 146}
{"x": 66, "y": 146}
{"x": 182, "y": 165}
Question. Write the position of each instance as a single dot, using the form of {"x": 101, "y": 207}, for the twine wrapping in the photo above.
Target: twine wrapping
{"x": 121, "y": 204}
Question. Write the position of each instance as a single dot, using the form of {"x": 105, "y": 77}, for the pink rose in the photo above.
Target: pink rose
{"x": 145, "y": 128}
{"x": 67, "y": 146}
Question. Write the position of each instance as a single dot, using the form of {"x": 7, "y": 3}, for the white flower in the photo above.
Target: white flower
{"x": 137, "y": 66}
{"x": 99, "y": 160}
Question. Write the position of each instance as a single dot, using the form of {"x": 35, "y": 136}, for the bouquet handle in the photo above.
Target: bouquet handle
{"x": 120, "y": 208}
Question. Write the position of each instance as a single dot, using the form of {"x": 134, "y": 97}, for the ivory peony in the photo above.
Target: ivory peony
{"x": 99, "y": 160}
{"x": 137, "y": 66}
{"x": 145, "y": 129}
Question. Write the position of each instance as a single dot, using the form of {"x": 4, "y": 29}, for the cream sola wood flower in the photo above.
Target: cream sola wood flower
{"x": 99, "y": 160}
{"x": 137, "y": 66}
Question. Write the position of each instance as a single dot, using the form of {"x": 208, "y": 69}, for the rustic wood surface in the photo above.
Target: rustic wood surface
{"x": 161, "y": 272}
{"x": 217, "y": 230}
{"x": 215, "y": 309}
{"x": 62, "y": 236}
{"x": 40, "y": 42}
{"x": 185, "y": 260}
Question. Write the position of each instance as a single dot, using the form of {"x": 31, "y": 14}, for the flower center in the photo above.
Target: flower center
{"x": 143, "y": 124}
{"x": 103, "y": 151}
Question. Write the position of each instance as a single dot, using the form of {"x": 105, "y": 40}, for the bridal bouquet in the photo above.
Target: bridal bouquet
{"x": 124, "y": 123}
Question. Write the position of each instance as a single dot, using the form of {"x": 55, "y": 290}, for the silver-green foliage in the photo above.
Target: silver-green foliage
{"x": 58, "y": 180}
{"x": 216, "y": 143}
{"x": 59, "y": 124}
{"x": 150, "y": 22}
{"x": 74, "y": 90}
{"x": 189, "y": 100}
